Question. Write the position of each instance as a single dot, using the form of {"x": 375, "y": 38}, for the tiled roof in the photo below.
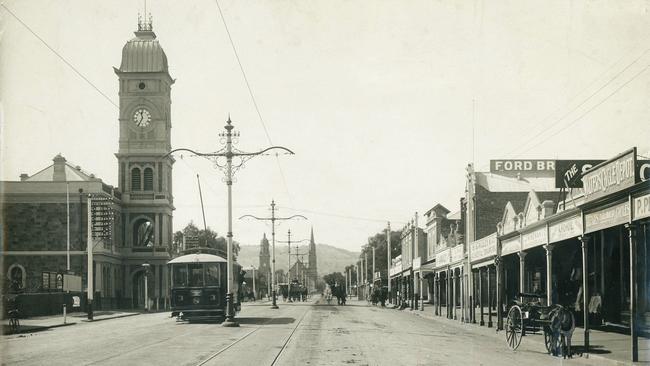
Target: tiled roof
{"x": 72, "y": 173}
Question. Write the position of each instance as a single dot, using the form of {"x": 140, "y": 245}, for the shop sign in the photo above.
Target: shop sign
{"x": 483, "y": 248}
{"x": 443, "y": 258}
{"x": 610, "y": 177}
{"x": 568, "y": 173}
{"x": 534, "y": 238}
{"x": 641, "y": 207}
{"x": 565, "y": 229}
{"x": 457, "y": 253}
{"x": 512, "y": 245}
{"x": 417, "y": 262}
{"x": 608, "y": 217}
{"x": 522, "y": 166}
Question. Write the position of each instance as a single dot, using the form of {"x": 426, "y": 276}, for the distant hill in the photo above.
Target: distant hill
{"x": 329, "y": 259}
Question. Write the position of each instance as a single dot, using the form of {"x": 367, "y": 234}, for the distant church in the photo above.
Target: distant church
{"x": 299, "y": 270}
{"x": 35, "y": 208}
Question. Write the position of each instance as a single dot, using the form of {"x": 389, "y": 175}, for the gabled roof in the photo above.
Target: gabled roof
{"x": 508, "y": 219}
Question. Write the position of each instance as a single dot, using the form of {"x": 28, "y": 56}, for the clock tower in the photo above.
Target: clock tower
{"x": 144, "y": 172}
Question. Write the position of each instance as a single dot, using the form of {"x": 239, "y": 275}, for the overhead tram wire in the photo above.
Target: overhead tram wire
{"x": 68, "y": 63}
{"x": 250, "y": 92}
{"x": 546, "y": 128}
{"x": 611, "y": 80}
{"x": 587, "y": 111}
{"x": 357, "y": 218}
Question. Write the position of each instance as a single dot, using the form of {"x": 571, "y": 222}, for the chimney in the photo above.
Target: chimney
{"x": 59, "y": 169}
{"x": 23, "y": 177}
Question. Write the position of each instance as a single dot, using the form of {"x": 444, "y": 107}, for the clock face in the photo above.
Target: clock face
{"x": 142, "y": 117}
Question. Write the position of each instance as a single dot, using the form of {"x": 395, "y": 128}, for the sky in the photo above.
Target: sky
{"x": 383, "y": 102}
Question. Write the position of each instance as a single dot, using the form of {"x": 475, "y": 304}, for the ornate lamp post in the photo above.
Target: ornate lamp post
{"x": 288, "y": 241}
{"x": 146, "y": 266}
{"x": 228, "y": 153}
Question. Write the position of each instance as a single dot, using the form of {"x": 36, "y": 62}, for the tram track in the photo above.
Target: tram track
{"x": 245, "y": 336}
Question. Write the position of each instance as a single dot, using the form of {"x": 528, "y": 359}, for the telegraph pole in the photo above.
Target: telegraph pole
{"x": 89, "y": 248}
{"x": 228, "y": 153}
{"x": 273, "y": 219}
{"x": 288, "y": 241}
{"x": 390, "y": 262}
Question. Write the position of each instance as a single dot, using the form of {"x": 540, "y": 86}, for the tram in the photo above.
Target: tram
{"x": 199, "y": 283}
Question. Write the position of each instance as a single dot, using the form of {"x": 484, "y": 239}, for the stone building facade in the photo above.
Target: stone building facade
{"x": 35, "y": 209}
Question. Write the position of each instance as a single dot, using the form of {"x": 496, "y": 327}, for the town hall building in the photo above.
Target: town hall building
{"x": 44, "y": 212}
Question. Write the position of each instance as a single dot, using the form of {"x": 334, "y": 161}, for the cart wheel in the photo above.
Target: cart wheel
{"x": 514, "y": 327}
{"x": 551, "y": 340}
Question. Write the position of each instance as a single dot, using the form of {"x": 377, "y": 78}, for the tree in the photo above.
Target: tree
{"x": 379, "y": 242}
{"x": 207, "y": 239}
{"x": 334, "y": 278}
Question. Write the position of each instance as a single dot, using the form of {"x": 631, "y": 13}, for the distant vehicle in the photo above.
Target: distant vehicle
{"x": 199, "y": 283}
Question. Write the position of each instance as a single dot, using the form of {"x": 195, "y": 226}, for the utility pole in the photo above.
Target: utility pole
{"x": 273, "y": 219}
{"x": 228, "y": 153}
{"x": 373, "y": 265}
{"x": 89, "y": 247}
{"x": 390, "y": 262}
{"x": 288, "y": 241}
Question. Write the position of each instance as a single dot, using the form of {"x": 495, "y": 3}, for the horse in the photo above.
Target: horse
{"x": 562, "y": 326}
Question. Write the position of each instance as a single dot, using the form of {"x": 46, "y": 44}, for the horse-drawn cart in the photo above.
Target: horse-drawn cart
{"x": 556, "y": 321}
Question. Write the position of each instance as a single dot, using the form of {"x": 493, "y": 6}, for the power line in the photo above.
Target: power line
{"x": 59, "y": 56}
{"x": 250, "y": 92}
{"x": 612, "y": 79}
{"x": 546, "y": 128}
{"x": 587, "y": 111}
{"x": 340, "y": 215}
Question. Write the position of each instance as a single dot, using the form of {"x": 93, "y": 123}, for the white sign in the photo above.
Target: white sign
{"x": 642, "y": 207}
{"x": 71, "y": 283}
{"x": 417, "y": 262}
{"x": 76, "y": 302}
{"x": 534, "y": 238}
{"x": 565, "y": 229}
{"x": 443, "y": 258}
{"x": 457, "y": 253}
{"x": 512, "y": 245}
{"x": 608, "y": 217}
{"x": 484, "y": 247}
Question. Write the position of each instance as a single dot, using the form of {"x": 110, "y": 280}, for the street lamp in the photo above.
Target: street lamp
{"x": 273, "y": 219}
{"x": 146, "y": 266}
{"x": 229, "y": 152}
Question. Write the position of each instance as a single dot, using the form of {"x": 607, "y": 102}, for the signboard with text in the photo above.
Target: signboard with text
{"x": 443, "y": 258}
{"x": 610, "y": 177}
{"x": 534, "y": 238}
{"x": 568, "y": 173}
{"x": 523, "y": 167}
{"x": 565, "y": 229}
{"x": 641, "y": 207}
{"x": 607, "y": 217}
{"x": 483, "y": 248}
{"x": 512, "y": 245}
{"x": 457, "y": 253}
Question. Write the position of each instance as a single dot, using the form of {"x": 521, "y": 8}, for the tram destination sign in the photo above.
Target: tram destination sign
{"x": 611, "y": 176}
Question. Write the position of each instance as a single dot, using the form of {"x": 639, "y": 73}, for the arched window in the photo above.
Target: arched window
{"x": 143, "y": 230}
{"x": 148, "y": 179}
{"x": 136, "y": 180}
{"x": 17, "y": 277}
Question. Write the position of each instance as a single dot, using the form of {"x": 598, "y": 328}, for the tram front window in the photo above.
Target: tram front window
{"x": 211, "y": 274}
{"x": 180, "y": 275}
{"x": 196, "y": 275}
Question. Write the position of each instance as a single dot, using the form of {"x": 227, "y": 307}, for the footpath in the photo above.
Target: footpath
{"x": 606, "y": 346}
{"x": 40, "y": 323}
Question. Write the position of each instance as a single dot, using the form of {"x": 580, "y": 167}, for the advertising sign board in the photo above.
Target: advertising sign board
{"x": 568, "y": 173}
{"x": 641, "y": 207}
{"x": 607, "y": 217}
{"x": 611, "y": 176}
{"x": 513, "y": 167}
{"x": 512, "y": 245}
{"x": 565, "y": 229}
{"x": 534, "y": 238}
{"x": 483, "y": 248}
